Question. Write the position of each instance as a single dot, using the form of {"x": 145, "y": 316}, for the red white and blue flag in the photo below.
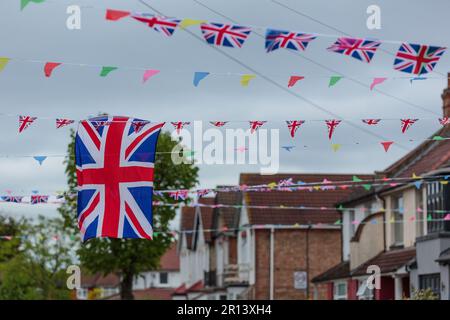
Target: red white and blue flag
{"x": 371, "y": 122}
{"x": 179, "y": 194}
{"x": 15, "y": 199}
{"x": 255, "y": 125}
{"x": 218, "y": 123}
{"x": 293, "y": 126}
{"x": 25, "y": 122}
{"x": 225, "y": 34}
{"x": 407, "y": 123}
{"x": 36, "y": 199}
{"x": 417, "y": 59}
{"x": 63, "y": 122}
{"x": 276, "y": 39}
{"x": 115, "y": 170}
{"x": 361, "y": 49}
{"x": 164, "y": 25}
{"x": 331, "y": 126}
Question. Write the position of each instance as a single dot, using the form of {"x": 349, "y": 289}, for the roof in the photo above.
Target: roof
{"x": 339, "y": 271}
{"x": 207, "y": 214}
{"x": 183, "y": 290}
{"x": 98, "y": 280}
{"x": 149, "y": 294}
{"x": 170, "y": 261}
{"x": 444, "y": 257}
{"x": 295, "y": 198}
{"x": 187, "y": 223}
{"x": 188, "y": 219}
{"x": 388, "y": 261}
{"x": 228, "y": 215}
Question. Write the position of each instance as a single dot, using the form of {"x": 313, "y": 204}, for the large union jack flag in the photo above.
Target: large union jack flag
{"x": 164, "y": 25}
{"x": 276, "y": 39}
{"x": 115, "y": 177}
{"x": 416, "y": 58}
{"x": 361, "y": 49}
{"x": 224, "y": 34}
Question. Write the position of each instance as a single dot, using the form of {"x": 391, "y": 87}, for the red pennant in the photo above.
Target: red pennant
{"x": 387, "y": 145}
{"x": 49, "y": 67}
{"x": 115, "y": 15}
{"x": 293, "y": 80}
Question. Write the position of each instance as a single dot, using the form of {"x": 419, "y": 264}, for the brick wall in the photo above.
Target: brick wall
{"x": 232, "y": 250}
{"x": 290, "y": 256}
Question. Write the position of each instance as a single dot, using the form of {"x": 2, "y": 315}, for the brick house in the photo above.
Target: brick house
{"x": 398, "y": 228}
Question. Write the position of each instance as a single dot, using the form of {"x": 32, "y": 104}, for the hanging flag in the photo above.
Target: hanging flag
{"x": 24, "y": 3}
{"x": 371, "y": 122}
{"x": 386, "y": 145}
{"x": 163, "y": 25}
{"x": 417, "y": 59}
{"x": 407, "y": 123}
{"x": 356, "y": 179}
{"x": 361, "y": 49}
{"x": 447, "y": 217}
{"x": 106, "y": 70}
{"x": 148, "y": 74}
{"x": 3, "y": 62}
{"x": 14, "y": 199}
{"x": 276, "y": 39}
{"x": 179, "y": 125}
{"x": 334, "y": 80}
{"x": 331, "y": 126}
{"x": 225, "y": 34}
{"x": 336, "y": 147}
{"x": 190, "y": 22}
{"x": 49, "y": 67}
{"x": 293, "y": 80}
{"x": 444, "y": 121}
{"x": 115, "y": 15}
{"x": 377, "y": 81}
{"x": 288, "y": 148}
{"x": 179, "y": 194}
{"x": 115, "y": 170}
{"x": 199, "y": 76}
{"x": 418, "y": 184}
{"x": 63, "y": 122}
{"x": 245, "y": 79}
{"x": 218, "y": 123}
{"x": 139, "y": 124}
{"x": 255, "y": 125}
{"x": 36, "y": 199}
{"x": 203, "y": 192}
{"x": 40, "y": 159}
{"x": 293, "y": 125}
{"x": 25, "y": 122}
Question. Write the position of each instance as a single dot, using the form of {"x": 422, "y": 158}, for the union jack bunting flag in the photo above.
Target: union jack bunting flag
{"x": 203, "y": 192}
{"x": 63, "y": 122}
{"x": 164, "y": 25}
{"x": 115, "y": 170}
{"x": 416, "y": 58}
{"x": 255, "y": 125}
{"x": 361, "y": 49}
{"x": 179, "y": 125}
{"x": 15, "y": 199}
{"x": 293, "y": 126}
{"x": 179, "y": 194}
{"x": 25, "y": 122}
{"x": 371, "y": 122}
{"x": 407, "y": 123}
{"x": 276, "y": 39}
{"x": 224, "y": 34}
{"x": 36, "y": 199}
{"x": 444, "y": 121}
{"x": 138, "y": 125}
{"x": 331, "y": 125}
{"x": 218, "y": 123}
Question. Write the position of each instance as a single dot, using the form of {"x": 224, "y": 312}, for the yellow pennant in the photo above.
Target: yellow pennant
{"x": 272, "y": 185}
{"x": 443, "y": 182}
{"x": 335, "y": 147}
{"x": 245, "y": 79}
{"x": 190, "y": 22}
{"x": 317, "y": 188}
{"x": 414, "y": 176}
{"x": 3, "y": 63}
{"x": 392, "y": 220}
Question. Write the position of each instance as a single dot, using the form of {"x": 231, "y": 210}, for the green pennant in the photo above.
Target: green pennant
{"x": 24, "y": 3}
{"x": 106, "y": 70}
{"x": 356, "y": 179}
{"x": 438, "y": 138}
{"x": 338, "y": 222}
{"x": 155, "y": 234}
{"x": 334, "y": 80}
{"x": 341, "y": 207}
{"x": 367, "y": 186}
{"x": 429, "y": 217}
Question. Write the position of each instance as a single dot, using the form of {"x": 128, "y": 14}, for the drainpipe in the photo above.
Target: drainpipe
{"x": 307, "y": 260}
{"x": 272, "y": 240}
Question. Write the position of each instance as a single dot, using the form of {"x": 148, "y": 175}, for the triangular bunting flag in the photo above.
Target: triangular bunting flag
{"x": 25, "y": 122}
{"x": 418, "y": 184}
{"x": 335, "y": 147}
{"x": 148, "y": 74}
{"x": 63, "y": 122}
{"x": 245, "y": 79}
{"x": 106, "y": 70}
{"x": 3, "y": 62}
{"x": 255, "y": 125}
{"x": 331, "y": 126}
{"x": 356, "y": 179}
{"x": 115, "y": 15}
{"x": 190, "y": 22}
{"x": 293, "y": 125}
{"x": 407, "y": 123}
{"x": 334, "y": 80}
{"x": 24, "y": 3}
{"x": 293, "y": 80}
{"x": 387, "y": 145}
{"x": 49, "y": 67}
{"x": 377, "y": 81}
{"x": 40, "y": 159}
{"x": 199, "y": 76}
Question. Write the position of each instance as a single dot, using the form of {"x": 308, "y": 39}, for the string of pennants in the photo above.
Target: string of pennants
{"x": 284, "y": 185}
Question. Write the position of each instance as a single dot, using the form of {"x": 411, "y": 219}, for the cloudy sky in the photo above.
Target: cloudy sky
{"x": 40, "y": 33}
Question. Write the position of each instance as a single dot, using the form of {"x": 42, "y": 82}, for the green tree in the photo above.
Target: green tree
{"x": 129, "y": 257}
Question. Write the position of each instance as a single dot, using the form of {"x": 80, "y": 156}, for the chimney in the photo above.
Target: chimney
{"x": 446, "y": 98}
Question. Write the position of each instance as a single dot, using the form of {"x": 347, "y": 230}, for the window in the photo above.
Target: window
{"x": 163, "y": 278}
{"x": 419, "y": 213}
{"x": 340, "y": 290}
{"x": 431, "y": 281}
{"x": 364, "y": 293}
{"x": 438, "y": 200}
{"x": 398, "y": 214}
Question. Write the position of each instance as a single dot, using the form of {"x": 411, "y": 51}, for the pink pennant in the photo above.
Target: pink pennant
{"x": 255, "y": 125}
{"x": 293, "y": 80}
{"x": 63, "y": 122}
{"x": 387, "y": 145}
{"x": 447, "y": 217}
{"x": 331, "y": 125}
{"x": 377, "y": 81}
{"x": 148, "y": 74}
{"x": 179, "y": 125}
{"x": 25, "y": 122}
{"x": 371, "y": 122}
{"x": 407, "y": 123}
{"x": 218, "y": 123}
{"x": 444, "y": 121}
{"x": 49, "y": 67}
{"x": 293, "y": 125}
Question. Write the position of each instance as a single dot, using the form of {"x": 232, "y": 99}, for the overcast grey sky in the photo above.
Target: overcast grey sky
{"x": 39, "y": 32}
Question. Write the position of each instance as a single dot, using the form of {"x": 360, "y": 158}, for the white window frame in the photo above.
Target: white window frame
{"x": 336, "y": 295}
